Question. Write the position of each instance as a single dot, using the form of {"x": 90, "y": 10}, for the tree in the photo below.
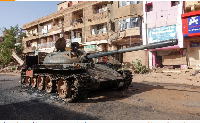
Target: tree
{"x": 8, "y": 45}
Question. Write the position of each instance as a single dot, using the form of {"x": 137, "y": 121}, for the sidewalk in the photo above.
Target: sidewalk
{"x": 176, "y": 78}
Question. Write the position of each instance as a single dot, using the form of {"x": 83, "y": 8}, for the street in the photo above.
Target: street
{"x": 142, "y": 101}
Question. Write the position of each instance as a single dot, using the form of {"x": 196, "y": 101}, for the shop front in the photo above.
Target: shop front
{"x": 166, "y": 57}
{"x": 191, "y": 34}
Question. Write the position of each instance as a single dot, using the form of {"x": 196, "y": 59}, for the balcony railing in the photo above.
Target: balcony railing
{"x": 100, "y": 31}
{"x": 30, "y": 37}
{"x": 103, "y": 14}
{"x": 47, "y": 45}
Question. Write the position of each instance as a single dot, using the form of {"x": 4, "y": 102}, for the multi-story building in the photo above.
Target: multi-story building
{"x": 162, "y": 21}
{"x": 98, "y": 26}
{"x": 126, "y": 30}
{"x": 84, "y": 22}
{"x": 191, "y": 32}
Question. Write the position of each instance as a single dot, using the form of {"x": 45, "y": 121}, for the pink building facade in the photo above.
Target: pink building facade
{"x": 162, "y": 21}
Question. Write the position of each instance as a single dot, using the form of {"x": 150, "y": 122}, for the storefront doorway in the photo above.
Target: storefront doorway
{"x": 169, "y": 58}
{"x": 119, "y": 56}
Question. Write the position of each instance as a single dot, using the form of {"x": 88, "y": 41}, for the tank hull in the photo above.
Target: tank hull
{"x": 77, "y": 80}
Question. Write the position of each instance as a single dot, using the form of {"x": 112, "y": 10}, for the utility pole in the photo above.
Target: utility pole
{"x": 38, "y": 35}
{"x": 84, "y": 23}
{"x": 71, "y": 27}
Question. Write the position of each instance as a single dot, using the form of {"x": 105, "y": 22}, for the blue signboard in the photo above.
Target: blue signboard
{"x": 194, "y": 44}
{"x": 162, "y": 33}
{"x": 193, "y": 24}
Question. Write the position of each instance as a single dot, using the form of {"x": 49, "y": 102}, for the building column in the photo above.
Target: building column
{"x": 150, "y": 59}
{"x": 154, "y": 59}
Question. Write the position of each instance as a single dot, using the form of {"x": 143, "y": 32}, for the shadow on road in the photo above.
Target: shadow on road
{"x": 112, "y": 95}
{"x": 36, "y": 110}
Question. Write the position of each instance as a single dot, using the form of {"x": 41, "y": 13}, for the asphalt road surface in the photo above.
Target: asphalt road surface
{"x": 142, "y": 101}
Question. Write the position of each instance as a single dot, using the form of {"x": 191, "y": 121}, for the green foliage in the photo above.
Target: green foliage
{"x": 8, "y": 45}
{"x": 124, "y": 66}
{"x": 13, "y": 67}
{"x": 19, "y": 49}
{"x": 21, "y": 37}
{"x": 6, "y": 49}
{"x": 138, "y": 67}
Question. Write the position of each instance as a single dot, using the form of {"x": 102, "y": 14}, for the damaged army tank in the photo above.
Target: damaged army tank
{"x": 72, "y": 74}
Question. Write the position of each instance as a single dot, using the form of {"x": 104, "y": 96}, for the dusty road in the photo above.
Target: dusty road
{"x": 143, "y": 100}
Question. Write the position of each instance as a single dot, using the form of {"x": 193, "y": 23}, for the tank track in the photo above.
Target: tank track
{"x": 128, "y": 78}
{"x": 79, "y": 84}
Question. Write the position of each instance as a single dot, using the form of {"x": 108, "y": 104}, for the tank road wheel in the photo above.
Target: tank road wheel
{"x": 40, "y": 82}
{"x": 33, "y": 82}
{"x": 49, "y": 85}
{"x": 64, "y": 89}
{"x": 27, "y": 81}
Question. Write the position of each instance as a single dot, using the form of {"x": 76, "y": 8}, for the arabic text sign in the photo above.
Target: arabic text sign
{"x": 193, "y": 24}
{"x": 194, "y": 44}
{"x": 162, "y": 33}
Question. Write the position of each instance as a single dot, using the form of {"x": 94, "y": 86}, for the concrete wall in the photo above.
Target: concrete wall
{"x": 132, "y": 56}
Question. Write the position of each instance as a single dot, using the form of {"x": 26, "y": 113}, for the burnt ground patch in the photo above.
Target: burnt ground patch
{"x": 37, "y": 110}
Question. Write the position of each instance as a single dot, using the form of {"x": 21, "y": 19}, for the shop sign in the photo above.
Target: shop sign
{"x": 90, "y": 48}
{"x": 76, "y": 40}
{"x": 162, "y": 33}
{"x": 193, "y": 24}
{"x": 194, "y": 44}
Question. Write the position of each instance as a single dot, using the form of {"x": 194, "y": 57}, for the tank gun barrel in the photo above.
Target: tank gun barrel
{"x": 149, "y": 46}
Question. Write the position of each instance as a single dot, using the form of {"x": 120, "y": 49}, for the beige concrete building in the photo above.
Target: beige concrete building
{"x": 126, "y": 30}
{"x": 97, "y": 25}
{"x": 77, "y": 18}
{"x": 191, "y": 32}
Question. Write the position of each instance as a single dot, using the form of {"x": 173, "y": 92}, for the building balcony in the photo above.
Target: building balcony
{"x": 78, "y": 24}
{"x": 31, "y": 37}
{"x": 134, "y": 32}
{"x": 97, "y": 37}
{"x": 101, "y": 15}
{"x": 47, "y": 45}
{"x": 129, "y": 10}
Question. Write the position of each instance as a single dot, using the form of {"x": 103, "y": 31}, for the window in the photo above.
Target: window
{"x": 175, "y": 3}
{"x": 113, "y": 26}
{"x": 149, "y": 7}
{"x": 124, "y": 3}
{"x": 98, "y": 29}
{"x": 28, "y": 44}
{"x": 128, "y": 23}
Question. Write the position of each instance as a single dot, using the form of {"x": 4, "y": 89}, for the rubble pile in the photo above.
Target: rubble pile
{"x": 13, "y": 66}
